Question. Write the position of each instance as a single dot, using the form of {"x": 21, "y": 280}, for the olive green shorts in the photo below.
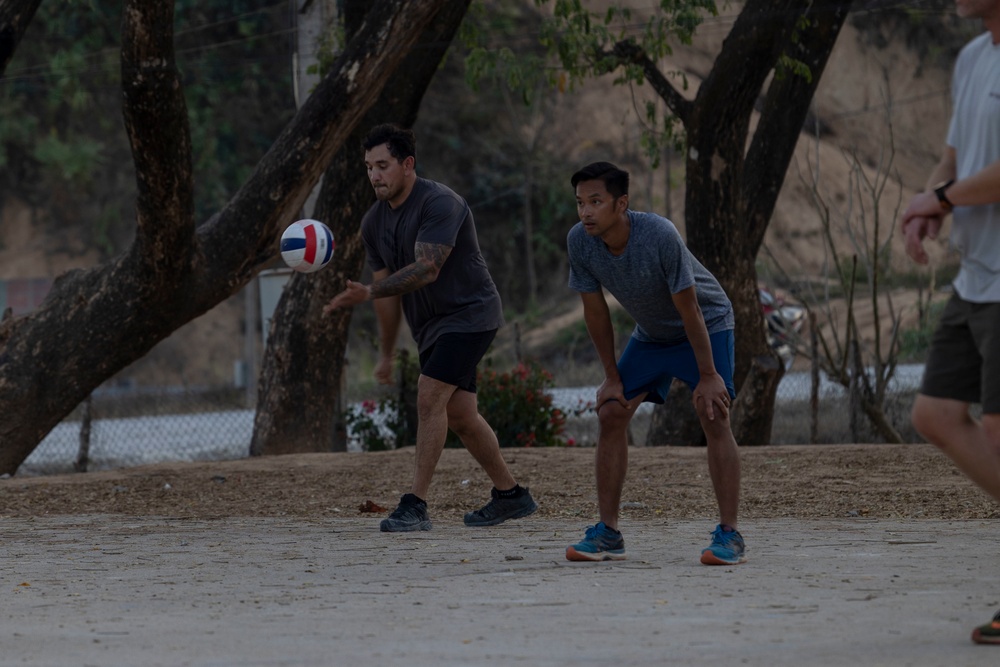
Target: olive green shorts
{"x": 964, "y": 361}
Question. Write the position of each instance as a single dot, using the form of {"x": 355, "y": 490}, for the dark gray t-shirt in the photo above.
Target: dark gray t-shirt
{"x": 464, "y": 298}
{"x": 655, "y": 265}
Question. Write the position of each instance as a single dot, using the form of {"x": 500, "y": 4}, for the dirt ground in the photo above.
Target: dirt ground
{"x": 819, "y": 481}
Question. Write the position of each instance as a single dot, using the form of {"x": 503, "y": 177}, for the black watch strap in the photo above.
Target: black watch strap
{"x": 942, "y": 197}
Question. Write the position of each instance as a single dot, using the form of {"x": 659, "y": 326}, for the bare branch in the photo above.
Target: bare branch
{"x": 630, "y": 52}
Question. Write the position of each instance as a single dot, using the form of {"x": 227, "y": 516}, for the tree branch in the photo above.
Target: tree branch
{"x": 786, "y": 104}
{"x": 632, "y": 53}
{"x": 157, "y": 124}
{"x": 285, "y": 176}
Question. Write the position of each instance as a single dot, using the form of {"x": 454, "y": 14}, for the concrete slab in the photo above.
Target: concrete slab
{"x": 111, "y": 590}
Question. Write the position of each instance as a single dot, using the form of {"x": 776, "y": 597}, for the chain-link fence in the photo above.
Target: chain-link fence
{"x": 124, "y": 428}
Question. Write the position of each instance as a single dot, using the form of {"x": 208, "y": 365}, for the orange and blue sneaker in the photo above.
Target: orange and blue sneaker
{"x": 727, "y": 548}
{"x": 599, "y": 543}
{"x": 989, "y": 633}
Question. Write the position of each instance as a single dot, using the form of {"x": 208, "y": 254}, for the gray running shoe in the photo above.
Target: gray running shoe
{"x": 500, "y": 509}
{"x": 411, "y": 514}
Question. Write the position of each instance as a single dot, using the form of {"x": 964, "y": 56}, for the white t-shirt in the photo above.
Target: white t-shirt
{"x": 974, "y": 133}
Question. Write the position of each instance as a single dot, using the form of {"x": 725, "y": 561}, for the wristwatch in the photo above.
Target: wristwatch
{"x": 939, "y": 192}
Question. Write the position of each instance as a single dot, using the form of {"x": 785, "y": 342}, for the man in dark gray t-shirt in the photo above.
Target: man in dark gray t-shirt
{"x": 424, "y": 254}
{"x": 464, "y": 298}
{"x": 684, "y": 330}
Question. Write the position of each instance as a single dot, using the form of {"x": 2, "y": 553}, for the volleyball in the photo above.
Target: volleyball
{"x": 307, "y": 245}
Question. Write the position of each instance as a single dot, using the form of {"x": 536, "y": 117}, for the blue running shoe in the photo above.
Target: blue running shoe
{"x": 600, "y": 543}
{"x": 727, "y": 548}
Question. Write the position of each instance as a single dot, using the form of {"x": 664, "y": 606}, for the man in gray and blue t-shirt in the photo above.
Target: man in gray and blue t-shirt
{"x": 684, "y": 329}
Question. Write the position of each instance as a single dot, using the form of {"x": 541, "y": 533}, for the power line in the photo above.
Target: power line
{"x": 103, "y": 57}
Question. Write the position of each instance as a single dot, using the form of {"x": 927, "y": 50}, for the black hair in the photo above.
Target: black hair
{"x": 402, "y": 142}
{"x": 615, "y": 179}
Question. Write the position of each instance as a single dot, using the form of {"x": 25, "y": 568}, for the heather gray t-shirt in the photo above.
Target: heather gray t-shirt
{"x": 464, "y": 298}
{"x": 655, "y": 265}
{"x": 974, "y": 133}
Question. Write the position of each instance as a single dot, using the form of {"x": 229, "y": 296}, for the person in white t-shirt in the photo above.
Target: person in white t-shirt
{"x": 963, "y": 366}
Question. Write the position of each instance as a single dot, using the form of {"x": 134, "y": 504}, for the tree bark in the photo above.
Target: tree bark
{"x": 675, "y": 422}
{"x": 731, "y": 189}
{"x": 96, "y": 322}
{"x": 305, "y": 356}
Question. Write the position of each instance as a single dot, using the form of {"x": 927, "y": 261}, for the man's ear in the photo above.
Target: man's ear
{"x": 409, "y": 163}
{"x": 622, "y": 203}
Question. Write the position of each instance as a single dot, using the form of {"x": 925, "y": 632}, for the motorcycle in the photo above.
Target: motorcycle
{"x": 784, "y": 324}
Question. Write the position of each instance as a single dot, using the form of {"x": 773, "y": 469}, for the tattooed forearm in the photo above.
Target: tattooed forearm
{"x": 430, "y": 257}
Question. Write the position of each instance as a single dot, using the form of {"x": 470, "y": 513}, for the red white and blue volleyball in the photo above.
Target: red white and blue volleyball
{"x": 307, "y": 245}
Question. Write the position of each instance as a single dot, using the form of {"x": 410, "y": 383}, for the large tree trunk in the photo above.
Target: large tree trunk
{"x": 731, "y": 189}
{"x": 300, "y": 380}
{"x": 96, "y": 322}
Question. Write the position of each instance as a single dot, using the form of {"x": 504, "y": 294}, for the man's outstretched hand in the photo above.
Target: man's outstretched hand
{"x": 352, "y": 295}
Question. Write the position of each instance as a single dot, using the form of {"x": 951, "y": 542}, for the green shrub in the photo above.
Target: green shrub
{"x": 516, "y": 404}
{"x": 518, "y": 407}
{"x": 388, "y": 422}
{"x": 914, "y": 343}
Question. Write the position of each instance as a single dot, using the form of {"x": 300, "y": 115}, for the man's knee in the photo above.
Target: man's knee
{"x": 991, "y": 427}
{"x": 433, "y": 397}
{"x": 613, "y": 416}
{"x": 936, "y": 418}
{"x": 925, "y": 417}
{"x": 463, "y": 422}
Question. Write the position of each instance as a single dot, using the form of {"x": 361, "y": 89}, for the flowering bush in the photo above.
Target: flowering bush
{"x": 516, "y": 404}
{"x": 518, "y": 407}
{"x": 367, "y": 424}
{"x": 391, "y": 421}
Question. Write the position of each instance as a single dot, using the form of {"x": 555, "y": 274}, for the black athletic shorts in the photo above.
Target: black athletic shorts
{"x": 453, "y": 358}
{"x": 964, "y": 361}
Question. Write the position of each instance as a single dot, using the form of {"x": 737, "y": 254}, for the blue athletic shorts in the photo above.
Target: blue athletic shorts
{"x": 651, "y": 367}
{"x": 453, "y": 358}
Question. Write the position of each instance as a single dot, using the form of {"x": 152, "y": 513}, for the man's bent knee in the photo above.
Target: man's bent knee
{"x": 613, "y": 416}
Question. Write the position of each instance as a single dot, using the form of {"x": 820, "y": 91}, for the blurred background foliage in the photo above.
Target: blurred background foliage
{"x": 63, "y": 147}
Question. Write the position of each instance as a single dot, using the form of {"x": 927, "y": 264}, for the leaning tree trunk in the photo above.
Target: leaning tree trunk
{"x": 98, "y": 321}
{"x": 731, "y": 190}
{"x": 304, "y": 360}
{"x": 15, "y": 15}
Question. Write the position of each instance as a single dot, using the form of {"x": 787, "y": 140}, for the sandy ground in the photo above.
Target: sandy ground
{"x": 869, "y": 555}
{"x": 135, "y": 591}
{"x": 823, "y": 481}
